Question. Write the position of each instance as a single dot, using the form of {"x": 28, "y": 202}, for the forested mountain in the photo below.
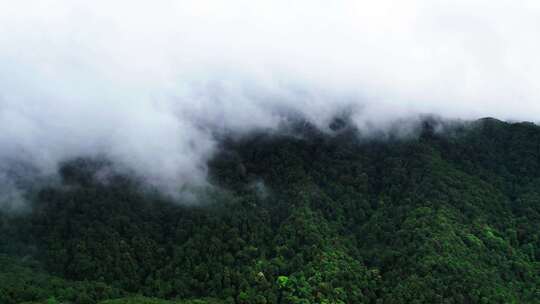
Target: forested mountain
{"x": 450, "y": 214}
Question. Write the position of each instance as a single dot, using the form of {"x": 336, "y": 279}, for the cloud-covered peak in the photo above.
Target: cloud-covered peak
{"x": 148, "y": 83}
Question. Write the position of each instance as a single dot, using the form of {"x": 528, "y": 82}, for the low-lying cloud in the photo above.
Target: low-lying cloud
{"x": 148, "y": 84}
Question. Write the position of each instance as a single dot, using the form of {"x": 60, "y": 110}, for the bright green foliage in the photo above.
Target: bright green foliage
{"x": 442, "y": 217}
{"x": 282, "y": 281}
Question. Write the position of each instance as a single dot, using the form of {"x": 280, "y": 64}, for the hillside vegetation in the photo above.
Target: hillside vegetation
{"x": 451, "y": 215}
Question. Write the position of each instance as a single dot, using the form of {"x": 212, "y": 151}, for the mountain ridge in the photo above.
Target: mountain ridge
{"x": 448, "y": 216}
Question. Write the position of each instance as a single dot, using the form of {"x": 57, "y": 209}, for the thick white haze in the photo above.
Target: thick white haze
{"x": 147, "y": 83}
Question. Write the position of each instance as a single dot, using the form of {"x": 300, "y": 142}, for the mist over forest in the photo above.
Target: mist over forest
{"x": 269, "y": 152}
{"x": 150, "y": 86}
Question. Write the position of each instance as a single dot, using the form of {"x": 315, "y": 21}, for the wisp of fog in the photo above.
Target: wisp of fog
{"x": 148, "y": 84}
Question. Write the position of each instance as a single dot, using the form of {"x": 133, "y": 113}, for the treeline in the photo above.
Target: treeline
{"x": 451, "y": 215}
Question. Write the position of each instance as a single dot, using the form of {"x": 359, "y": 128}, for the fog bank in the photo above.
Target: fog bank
{"x": 148, "y": 84}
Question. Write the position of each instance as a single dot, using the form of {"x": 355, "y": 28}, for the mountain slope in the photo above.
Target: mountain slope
{"x": 449, "y": 216}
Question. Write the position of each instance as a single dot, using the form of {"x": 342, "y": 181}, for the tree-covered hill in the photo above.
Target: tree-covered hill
{"x": 448, "y": 215}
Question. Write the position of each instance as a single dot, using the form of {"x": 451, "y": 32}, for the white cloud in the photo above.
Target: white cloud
{"x": 148, "y": 82}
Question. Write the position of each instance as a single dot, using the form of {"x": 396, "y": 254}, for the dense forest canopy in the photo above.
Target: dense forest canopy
{"x": 450, "y": 214}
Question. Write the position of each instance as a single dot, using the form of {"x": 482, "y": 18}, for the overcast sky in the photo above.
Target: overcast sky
{"x": 147, "y": 82}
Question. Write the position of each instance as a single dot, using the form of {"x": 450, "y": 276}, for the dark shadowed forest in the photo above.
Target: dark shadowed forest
{"x": 450, "y": 215}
